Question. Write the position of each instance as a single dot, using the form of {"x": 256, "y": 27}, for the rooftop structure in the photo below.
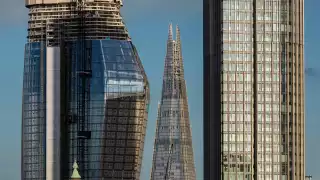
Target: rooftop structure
{"x": 51, "y": 19}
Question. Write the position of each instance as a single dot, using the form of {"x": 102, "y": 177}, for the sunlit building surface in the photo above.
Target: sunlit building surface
{"x": 85, "y": 93}
{"x": 254, "y": 90}
{"x": 173, "y": 151}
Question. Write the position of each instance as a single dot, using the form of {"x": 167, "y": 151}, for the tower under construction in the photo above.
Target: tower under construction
{"x": 173, "y": 151}
{"x": 85, "y": 93}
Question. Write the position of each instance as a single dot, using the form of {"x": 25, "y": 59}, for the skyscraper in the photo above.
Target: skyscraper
{"x": 254, "y": 90}
{"x": 85, "y": 93}
{"x": 173, "y": 151}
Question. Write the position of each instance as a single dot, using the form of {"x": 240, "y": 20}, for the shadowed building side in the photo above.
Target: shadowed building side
{"x": 119, "y": 100}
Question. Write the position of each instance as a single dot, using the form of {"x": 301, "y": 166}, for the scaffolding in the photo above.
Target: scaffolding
{"x": 103, "y": 20}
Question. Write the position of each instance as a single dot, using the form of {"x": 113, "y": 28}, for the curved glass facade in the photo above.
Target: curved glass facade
{"x": 85, "y": 93}
{"x": 33, "y": 113}
{"x": 117, "y": 114}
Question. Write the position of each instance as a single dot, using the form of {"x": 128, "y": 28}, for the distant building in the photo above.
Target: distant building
{"x": 173, "y": 151}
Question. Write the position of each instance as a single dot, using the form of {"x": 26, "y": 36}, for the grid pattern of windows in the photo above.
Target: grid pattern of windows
{"x": 238, "y": 80}
{"x": 117, "y": 116}
{"x": 258, "y": 48}
{"x": 292, "y": 90}
{"x": 33, "y": 113}
{"x": 268, "y": 80}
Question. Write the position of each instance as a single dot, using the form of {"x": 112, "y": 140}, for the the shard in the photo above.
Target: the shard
{"x": 173, "y": 151}
{"x": 85, "y": 93}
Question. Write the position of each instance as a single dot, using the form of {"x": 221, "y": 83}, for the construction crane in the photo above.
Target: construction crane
{"x": 169, "y": 162}
{"x": 308, "y": 177}
{"x": 310, "y": 72}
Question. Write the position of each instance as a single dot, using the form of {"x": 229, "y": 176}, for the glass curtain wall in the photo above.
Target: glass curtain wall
{"x": 268, "y": 83}
{"x": 33, "y": 113}
{"x": 292, "y": 88}
{"x": 251, "y": 98}
{"x": 119, "y": 100}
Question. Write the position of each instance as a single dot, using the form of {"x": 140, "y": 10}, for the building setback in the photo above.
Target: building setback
{"x": 173, "y": 151}
{"x": 85, "y": 93}
{"x": 254, "y": 112}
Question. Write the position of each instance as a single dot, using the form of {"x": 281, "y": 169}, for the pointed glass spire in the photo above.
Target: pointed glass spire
{"x": 173, "y": 118}
{"x": 177, "y": 34}
{"x": 179, "y": 60}
{"x": 178, "y": 43}
{"x": 170, "y": 33}
{"x": 169, "y": 66}
{"x": 75, "y": 173}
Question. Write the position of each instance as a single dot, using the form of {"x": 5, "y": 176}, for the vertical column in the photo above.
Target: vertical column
{"x": 53, "y": 114}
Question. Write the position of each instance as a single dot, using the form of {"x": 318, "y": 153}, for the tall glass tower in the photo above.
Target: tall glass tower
{"x": 85, "y": 93}
{"x": 254, "y": 90}
{"x": 173, "y": 151}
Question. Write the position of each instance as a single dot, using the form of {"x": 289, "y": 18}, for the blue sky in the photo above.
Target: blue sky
{"x": 312, "y": 54}
{"x": 147, "y": 22}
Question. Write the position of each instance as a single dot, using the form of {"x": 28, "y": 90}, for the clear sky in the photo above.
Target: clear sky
{"x": 147, "y": 22}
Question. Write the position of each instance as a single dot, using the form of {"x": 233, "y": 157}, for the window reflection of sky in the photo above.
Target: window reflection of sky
{"x": 121, "y": 71}
{"x": 115, "y": 72}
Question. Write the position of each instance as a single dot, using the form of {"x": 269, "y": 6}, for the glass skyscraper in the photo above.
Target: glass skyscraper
{"x": 173, "y": 151}
{"x": 85, "y": 93}
{"x": 254, "y": 90}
